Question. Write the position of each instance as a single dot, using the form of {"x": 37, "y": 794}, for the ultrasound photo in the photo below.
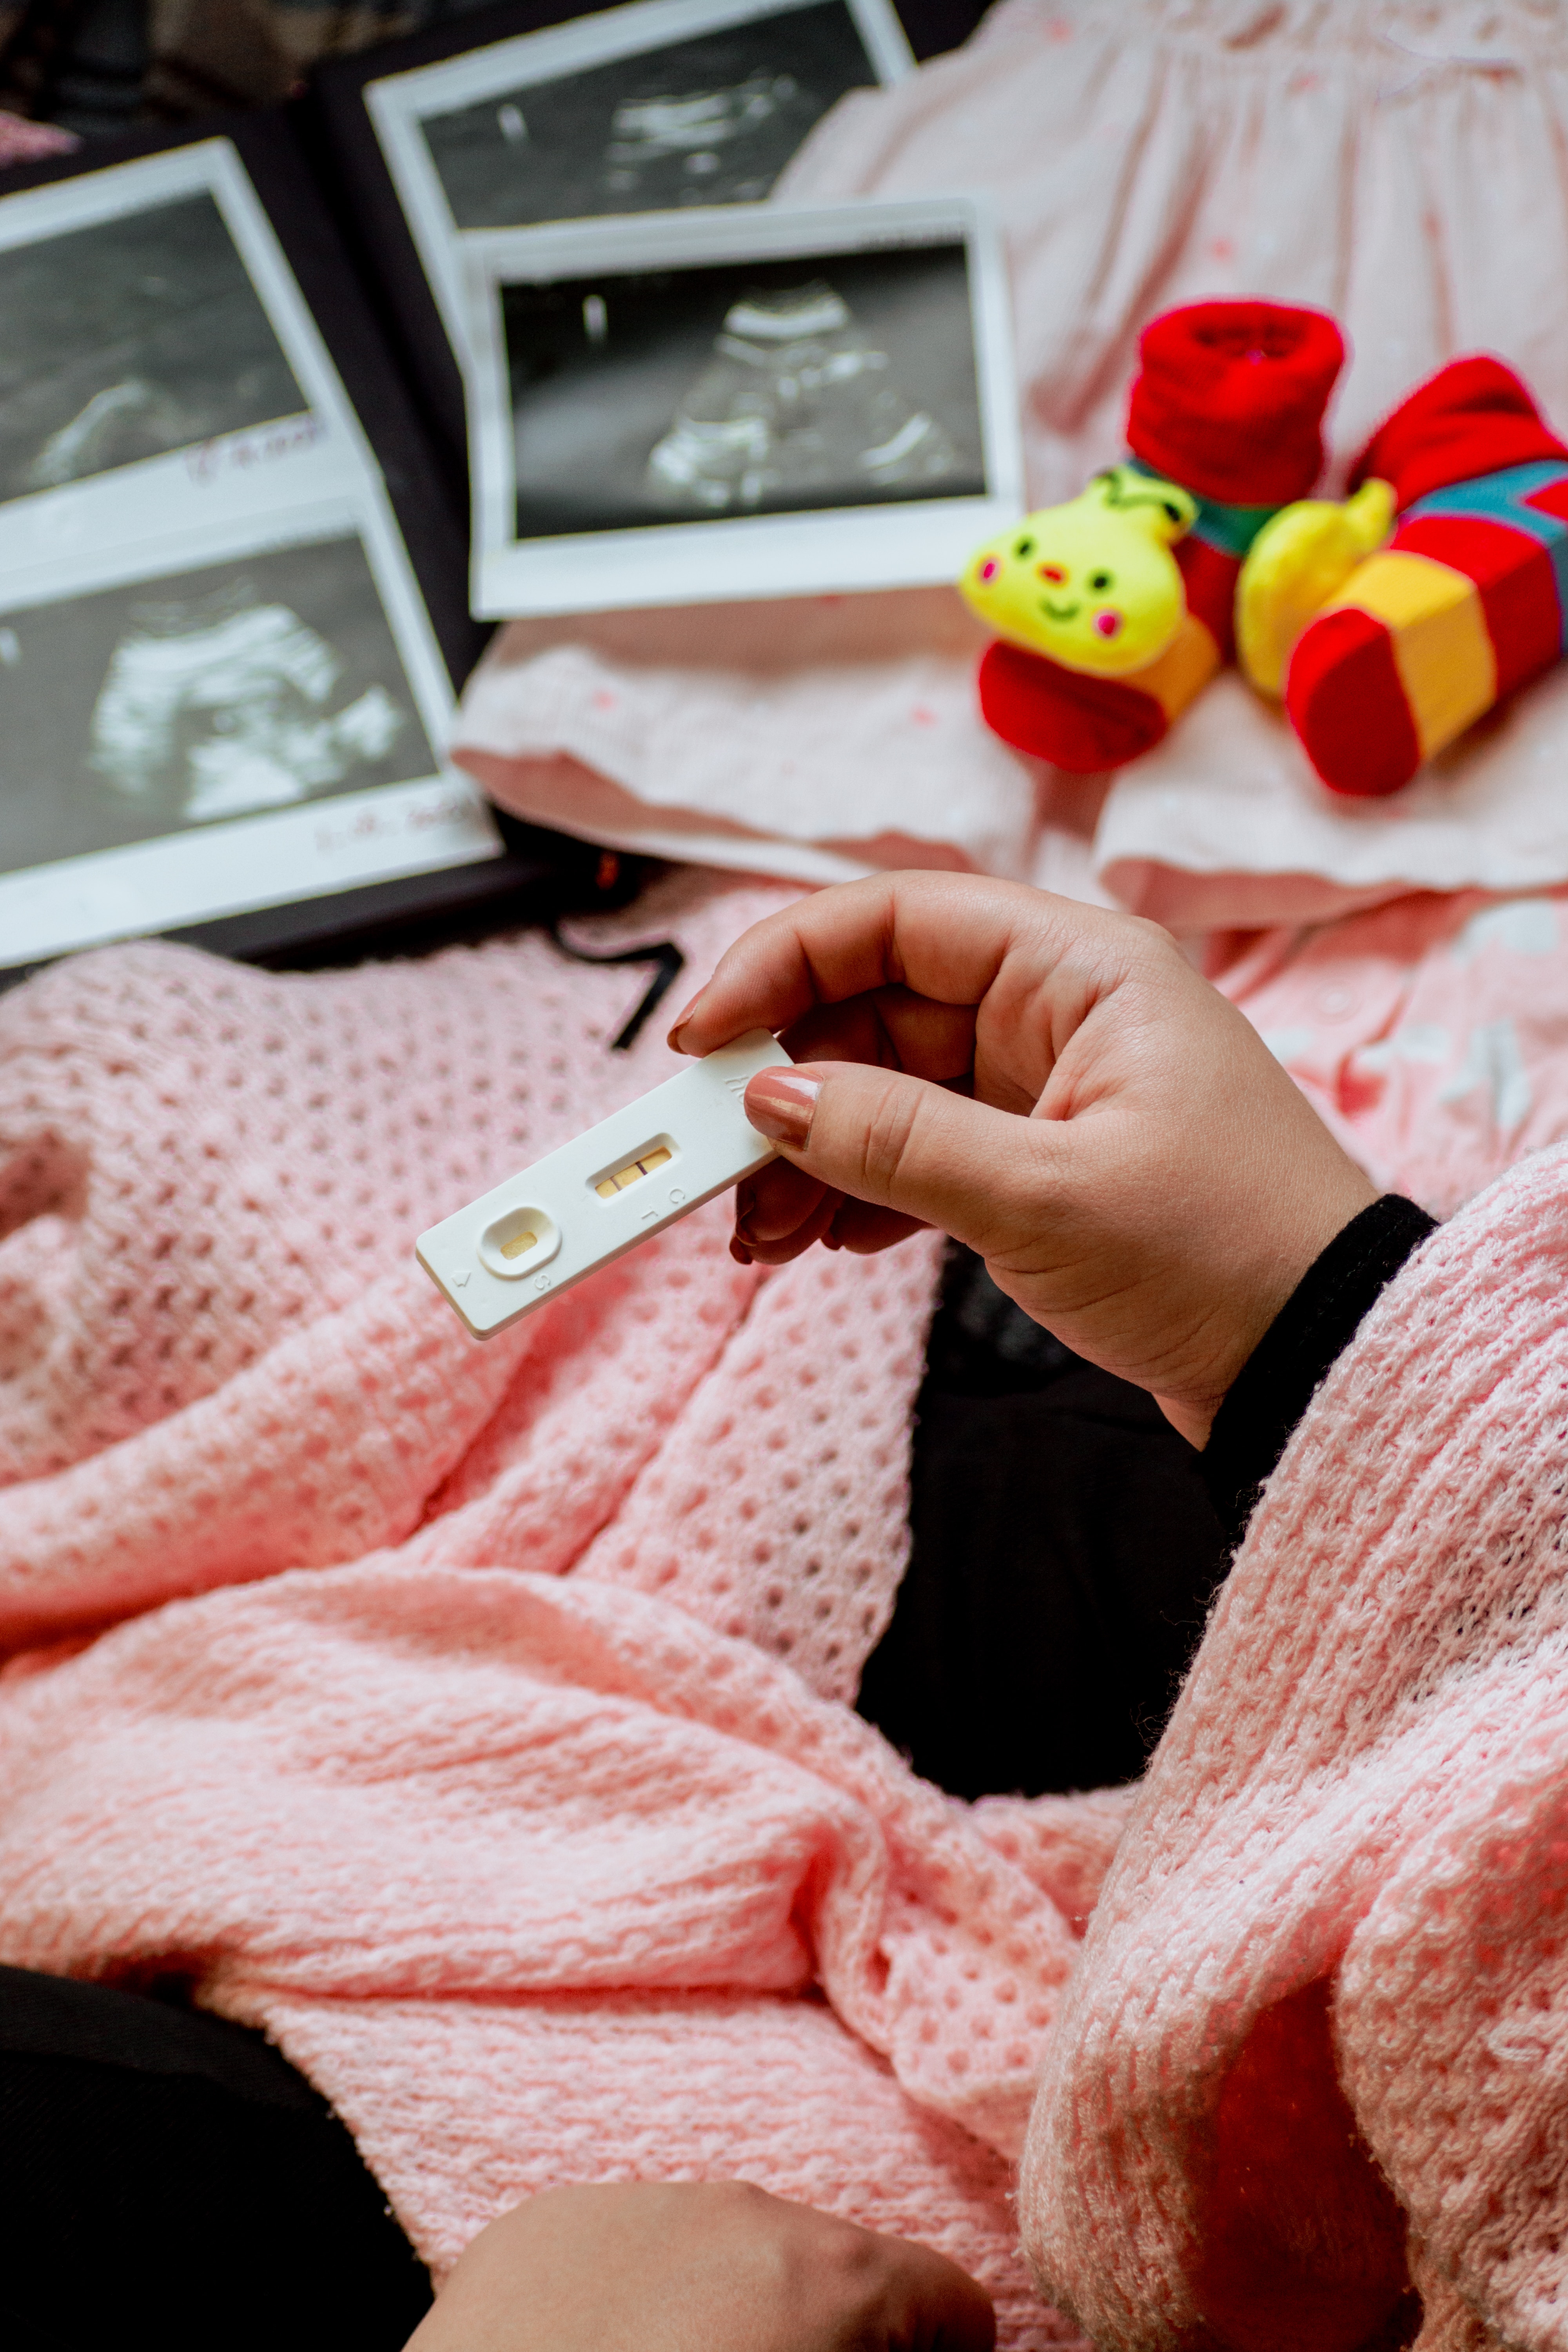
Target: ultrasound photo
{"x": 127, "y": 339}
{"x": 139, "y": 711}
{"x": 735, "y": 389}
{"x": 712, "y": 120}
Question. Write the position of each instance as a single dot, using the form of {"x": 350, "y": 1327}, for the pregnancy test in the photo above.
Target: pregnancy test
{"x": 640, "y": 1170}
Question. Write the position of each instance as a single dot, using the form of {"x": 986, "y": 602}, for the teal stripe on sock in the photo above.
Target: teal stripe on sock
{"x": 1504, "y": 497}
{"x": 1231, "y": 529}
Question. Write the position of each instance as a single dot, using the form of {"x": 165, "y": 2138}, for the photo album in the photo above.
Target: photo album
{"x": 236, "y": 598}
{"x": 226, "y": 645}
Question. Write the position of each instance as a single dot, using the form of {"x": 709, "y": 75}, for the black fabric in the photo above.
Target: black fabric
{"x": 1066, "y": 1542}
{"x": 1318, "y": 1321}
{"x": 168, "y": 2178}
{"x": 1064, "y": 1552}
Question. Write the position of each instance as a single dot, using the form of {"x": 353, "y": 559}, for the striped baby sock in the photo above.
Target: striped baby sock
{"x": 1228, "y": 404}
{"x": 1466, "y": 603}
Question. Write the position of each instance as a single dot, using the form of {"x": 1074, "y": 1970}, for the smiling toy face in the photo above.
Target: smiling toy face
{"x": 1091, "y": 584}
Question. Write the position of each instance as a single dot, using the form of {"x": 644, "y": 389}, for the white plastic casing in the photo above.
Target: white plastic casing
{"x": 694, "y": 1127}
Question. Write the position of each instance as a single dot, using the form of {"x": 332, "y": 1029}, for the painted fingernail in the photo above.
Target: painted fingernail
{"x": 739, "y": 1252}
{"x": 780, "y": 1105}
{"x": 680, "y": 1022}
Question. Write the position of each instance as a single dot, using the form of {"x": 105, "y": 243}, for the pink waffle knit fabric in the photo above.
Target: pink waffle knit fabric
{"x": 1320, "y": 2028}
{"x": 472, "y": 1718}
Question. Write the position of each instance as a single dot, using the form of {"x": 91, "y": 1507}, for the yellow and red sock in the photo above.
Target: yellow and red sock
{"x": 1467, "y": 603}
{"x": 1228, "y": 404}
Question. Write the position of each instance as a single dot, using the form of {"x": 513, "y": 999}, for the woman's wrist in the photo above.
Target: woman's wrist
{"x": 1322, "y": 1315}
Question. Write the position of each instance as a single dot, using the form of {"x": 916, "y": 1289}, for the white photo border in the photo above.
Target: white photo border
{"x": 210, "y": 167}
{"x": 117, "y": 525}
{"x": 314, "y": 848}
{"x": 158, "y": 516}
{"x": 917, "y": 542}
{"x": 399, "y": 104}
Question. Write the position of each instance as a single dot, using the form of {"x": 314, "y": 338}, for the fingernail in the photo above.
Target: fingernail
{"x": 780, "y": 1105}
{"x": 680, "y": 1022}
{"x": 739, "y": 1252}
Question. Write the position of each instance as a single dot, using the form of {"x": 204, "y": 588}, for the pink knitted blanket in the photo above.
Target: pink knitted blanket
{"x": 472, "y": 1718}
{"x": 474, "y": 1768}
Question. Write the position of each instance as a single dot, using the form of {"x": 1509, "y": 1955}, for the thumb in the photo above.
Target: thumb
{"x": 982, "y": 1175}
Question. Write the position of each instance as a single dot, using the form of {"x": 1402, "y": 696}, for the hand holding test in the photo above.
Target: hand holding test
{"x": 638, "y": 1170}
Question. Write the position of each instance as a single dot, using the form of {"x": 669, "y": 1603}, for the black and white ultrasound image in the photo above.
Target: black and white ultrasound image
{"x": 127, "y": 340}
{"x": 251, "y": 685}
{"x": 712, "y": 120}
{"x": 723, "y": 390}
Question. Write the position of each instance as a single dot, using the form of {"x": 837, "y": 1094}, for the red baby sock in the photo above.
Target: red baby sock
{"x": 1467, "y": 601}
{"x": 1086, "y": 724}
{"x": 1229, "y": 404}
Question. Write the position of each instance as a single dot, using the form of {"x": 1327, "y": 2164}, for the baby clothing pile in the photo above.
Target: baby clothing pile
{"x": 1398, "y": 165}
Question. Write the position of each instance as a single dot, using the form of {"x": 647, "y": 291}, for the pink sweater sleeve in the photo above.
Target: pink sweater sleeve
{"x": 1314, "y": 2057}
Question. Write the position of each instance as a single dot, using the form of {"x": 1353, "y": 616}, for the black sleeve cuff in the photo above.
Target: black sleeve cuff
{"x": 1317, "y": 1322}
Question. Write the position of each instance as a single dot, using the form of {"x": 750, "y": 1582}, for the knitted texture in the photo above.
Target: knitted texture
{"x": 471, "y": 1716}
{"x": 1320, "y": 2011}
{"x": 1230, "y": 399}
{"x": 1227, "y": 403}
{"x": 1472, "y": 417}
{"x": 1463, "y": 605}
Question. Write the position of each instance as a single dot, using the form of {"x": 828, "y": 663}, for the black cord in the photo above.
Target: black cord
{"x": 662, "y": 952}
